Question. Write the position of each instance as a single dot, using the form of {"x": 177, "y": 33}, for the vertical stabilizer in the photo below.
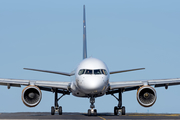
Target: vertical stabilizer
{"x": 84, "y": 35}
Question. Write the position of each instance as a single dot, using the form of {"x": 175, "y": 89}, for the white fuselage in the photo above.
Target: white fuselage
{"x": 91, "y": 78}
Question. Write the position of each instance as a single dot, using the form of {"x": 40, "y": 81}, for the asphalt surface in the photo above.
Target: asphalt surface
{"x": 80, "y": 116}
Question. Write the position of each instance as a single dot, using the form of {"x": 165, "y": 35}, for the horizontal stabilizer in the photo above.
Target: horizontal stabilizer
{"x": 54, "y": 72}
{"x": 113, "y": 72}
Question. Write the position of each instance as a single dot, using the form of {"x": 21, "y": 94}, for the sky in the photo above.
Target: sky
{"x": 125, "y": 34}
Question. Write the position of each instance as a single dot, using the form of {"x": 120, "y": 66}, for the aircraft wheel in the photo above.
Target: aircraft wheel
{"x": 115, "y": 110}
{"x": 52, "y": 110}
{"x": 95, "y": 112}
{"x": 60, "y": 110}
{"x": 123, "y": 110}
{"x": 89, "y": 112}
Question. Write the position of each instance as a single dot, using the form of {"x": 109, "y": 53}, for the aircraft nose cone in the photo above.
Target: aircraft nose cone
{"x": 92, "y": 84}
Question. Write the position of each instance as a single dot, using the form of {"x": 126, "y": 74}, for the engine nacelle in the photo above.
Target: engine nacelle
{"x": 146, "y": 96}
{"x": 31, "y": 96}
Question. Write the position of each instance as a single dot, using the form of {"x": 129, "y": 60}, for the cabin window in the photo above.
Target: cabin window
{"x": 88, "y": 72}
{"x": 81, "y": 71}
{"x": 96, "y": 72}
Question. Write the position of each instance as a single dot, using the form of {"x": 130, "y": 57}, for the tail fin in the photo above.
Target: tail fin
{"x": 84, "y": 35}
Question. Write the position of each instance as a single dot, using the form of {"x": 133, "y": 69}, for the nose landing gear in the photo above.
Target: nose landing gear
{"x": 92, "y": 111}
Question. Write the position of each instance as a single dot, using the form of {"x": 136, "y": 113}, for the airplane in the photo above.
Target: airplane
{"x": 91, "y": 81}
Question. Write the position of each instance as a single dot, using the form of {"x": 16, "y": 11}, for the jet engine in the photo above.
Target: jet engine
{"x": 146, "y": 96}
{"x": 31, "y": 96}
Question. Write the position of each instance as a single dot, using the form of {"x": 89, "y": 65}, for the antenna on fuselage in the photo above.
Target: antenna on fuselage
{"x": 84, "y": 35}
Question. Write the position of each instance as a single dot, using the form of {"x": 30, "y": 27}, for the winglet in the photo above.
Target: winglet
{"x": 84, "y": 35}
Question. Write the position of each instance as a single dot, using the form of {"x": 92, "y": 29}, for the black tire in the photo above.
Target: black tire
{"x": 115, "y": 110}
{"x": 89, "y": 112}
{"x": 95, "y": 112}
{"x": 123, "y": 110}
{"x": 52, "y": 110}
{"x": 60, "y": 110}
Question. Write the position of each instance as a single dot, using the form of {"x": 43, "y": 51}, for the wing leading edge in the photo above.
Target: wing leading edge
{"x": 47, "y": 84}
{"x": 134, "y": 84}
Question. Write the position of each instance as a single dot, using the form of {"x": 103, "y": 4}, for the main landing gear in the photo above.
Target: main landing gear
{"x": 56, "y": 107}
{"x": 92, "y": 111}
{"x": 119, "y": 108}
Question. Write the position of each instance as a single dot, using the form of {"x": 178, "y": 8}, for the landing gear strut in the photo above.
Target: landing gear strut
{"x": 119, "y": 108}
{"x": 56, "y": 107}
{"x": 92, "y": 111}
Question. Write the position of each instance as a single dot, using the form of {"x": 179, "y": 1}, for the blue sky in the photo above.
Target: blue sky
{"x": 125, "y": 34}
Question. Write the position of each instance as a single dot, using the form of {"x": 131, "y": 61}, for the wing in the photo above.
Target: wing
{"x": 43, "y": 85}
{"x": 132, "y": 85}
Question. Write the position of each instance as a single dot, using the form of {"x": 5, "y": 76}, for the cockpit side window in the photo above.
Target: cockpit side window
{"x": 104, "y": 71}
{"x": 96, "y": 72}
{"x": 81, "y": 71}
{"x": 88, "y": 71}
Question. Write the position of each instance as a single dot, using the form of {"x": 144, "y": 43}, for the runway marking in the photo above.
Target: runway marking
{"x": 101, "y": 117}
{"x": 175, "y": 115}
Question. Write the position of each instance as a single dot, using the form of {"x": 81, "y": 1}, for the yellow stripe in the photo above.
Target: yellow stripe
{"x": 103, "y": 88}
{"x": 102, "y": 118}
{"x": 175, "y": 115}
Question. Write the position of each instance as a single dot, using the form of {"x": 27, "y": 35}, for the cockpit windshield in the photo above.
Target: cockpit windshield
{"x": 81, "y": 71}
{"x": 104, "y": 71}
{"x": 88, "y": 72}
{"x": 95, "y": 72}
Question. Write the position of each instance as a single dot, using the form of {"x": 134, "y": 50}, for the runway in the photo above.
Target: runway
{"x": 83, "y": 116}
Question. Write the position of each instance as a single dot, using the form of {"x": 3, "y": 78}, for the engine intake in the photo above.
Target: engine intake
{"x": 146, "y": 96}
{"x": 31, "y": 96}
